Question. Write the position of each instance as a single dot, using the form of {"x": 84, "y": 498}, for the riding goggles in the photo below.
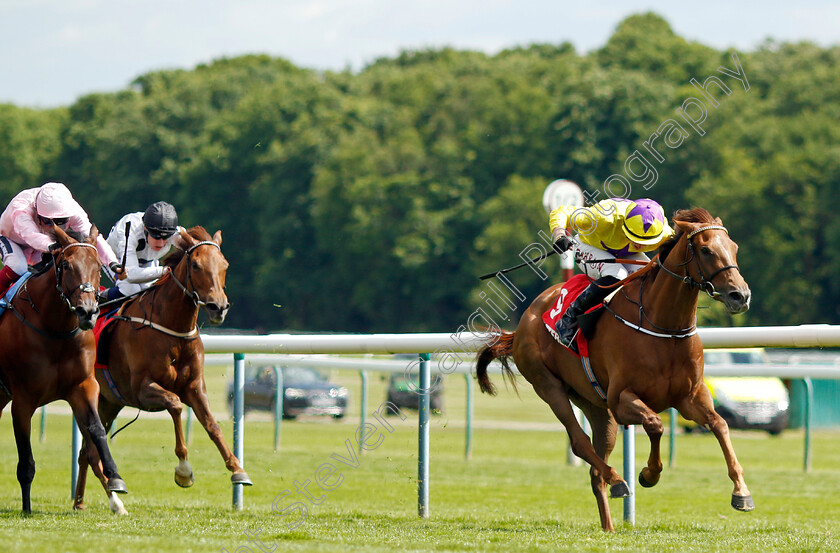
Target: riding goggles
{"x": 159, "y": 234}
{"x": 60, "y": 221}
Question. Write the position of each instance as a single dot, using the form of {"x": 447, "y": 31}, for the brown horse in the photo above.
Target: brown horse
{"x": 154, "y": 353}
{"x": 645, "y": 354}
{"x": 47, "y": 353}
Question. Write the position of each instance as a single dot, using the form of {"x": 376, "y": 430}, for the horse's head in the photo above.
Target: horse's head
{"x": 77, "y": 274}
{"x": 711, "y": 262}
{"x": 205, "y": 269}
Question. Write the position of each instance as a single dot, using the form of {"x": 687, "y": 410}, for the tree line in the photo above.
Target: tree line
{"x": 370, "y": 201}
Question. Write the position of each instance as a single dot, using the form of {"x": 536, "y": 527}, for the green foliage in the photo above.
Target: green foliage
{"x": 370, "y": 201}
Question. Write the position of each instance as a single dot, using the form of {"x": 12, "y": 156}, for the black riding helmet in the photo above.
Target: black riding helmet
{"x": 160, "y": 220}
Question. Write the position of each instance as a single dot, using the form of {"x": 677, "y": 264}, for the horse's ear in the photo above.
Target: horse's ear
{"x": 93, "y": 234}
{"x": 217, "y": 238}
{"x": 684, "y": 226}
{"x": 184, "y": 240}
{"x": 62, "y": 237}
{"x": 718, "y": 221}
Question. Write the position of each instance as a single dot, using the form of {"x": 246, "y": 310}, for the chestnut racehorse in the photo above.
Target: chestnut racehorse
{"x": 47, "y": 353}
{"x": 645, "y": 355}
{"x": 154, "y": 353}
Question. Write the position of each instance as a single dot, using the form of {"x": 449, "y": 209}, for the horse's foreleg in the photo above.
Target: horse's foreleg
{"x": 700, "y": 409}
{"x": 197, "y": 399}
{"x": 84, "y": 402}
{"x": 88, "y": 456}
{"x": 153, "y": 397}
{"x": 604, "y": 431}
{"x": 22, "y": 423}
{"x": 632, "y": 410}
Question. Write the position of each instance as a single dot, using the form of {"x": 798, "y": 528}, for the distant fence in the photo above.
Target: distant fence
{"x": 448, "y": 346}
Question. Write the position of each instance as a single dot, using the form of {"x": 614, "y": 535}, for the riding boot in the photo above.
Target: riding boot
{"x": 591, "y": 296}
{"x": 7, "y": 278}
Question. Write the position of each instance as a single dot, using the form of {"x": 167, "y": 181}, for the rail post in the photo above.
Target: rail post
{"x": 278, "y": 405}
{"x": 423, "y": 440}
{"x": 629, "y": 439}
{"x": 238, "y": 422}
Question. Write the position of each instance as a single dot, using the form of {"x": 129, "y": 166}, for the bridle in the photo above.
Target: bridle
{"x": 705, "y": 283}
{"x": 84, "y": 288}
{"x": 192, "y": 294}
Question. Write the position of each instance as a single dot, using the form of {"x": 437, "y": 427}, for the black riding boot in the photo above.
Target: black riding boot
{"x": 592, "y": 295}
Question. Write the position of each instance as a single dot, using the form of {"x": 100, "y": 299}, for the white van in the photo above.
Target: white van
{"x": 760, "y": 403}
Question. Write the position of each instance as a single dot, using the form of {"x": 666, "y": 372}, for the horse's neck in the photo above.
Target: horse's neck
{"x": 169, "y": 306}
{"x": 51, "y": 309}
{"x": 668, "y": 301}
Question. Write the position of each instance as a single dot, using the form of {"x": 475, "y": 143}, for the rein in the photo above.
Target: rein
{"x": 85, "y": 287}
{"x": 705, "y": 284}
{"x": 193, "y": 295}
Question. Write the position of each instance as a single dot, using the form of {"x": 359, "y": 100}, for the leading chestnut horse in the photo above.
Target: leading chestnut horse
{"x": 154, "y": 353}
{"x": 645, "y": 355}
{"x": 47, "y": 353}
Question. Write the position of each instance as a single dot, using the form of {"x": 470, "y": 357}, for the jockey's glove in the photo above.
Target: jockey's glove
{"x": 115, "y": 267}
{"x": 563, "y": 244}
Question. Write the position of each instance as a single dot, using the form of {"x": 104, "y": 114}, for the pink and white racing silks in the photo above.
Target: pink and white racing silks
{"x": 19, "y": 223}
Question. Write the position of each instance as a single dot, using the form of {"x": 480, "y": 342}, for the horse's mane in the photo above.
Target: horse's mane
{"x": 693, "y": 215}
{"x": 174, "y": 257}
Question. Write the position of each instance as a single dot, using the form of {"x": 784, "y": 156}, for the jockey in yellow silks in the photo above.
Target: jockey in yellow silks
{"x": 611, "y": 229}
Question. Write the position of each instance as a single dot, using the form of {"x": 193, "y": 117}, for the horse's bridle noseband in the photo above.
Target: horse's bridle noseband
{"x": 705, "y": 283}
{"x": 85, "y": 287}
{"x": 192, "y": 294}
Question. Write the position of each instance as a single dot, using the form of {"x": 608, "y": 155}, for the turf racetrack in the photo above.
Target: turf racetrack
{"x": 515, "y": 494}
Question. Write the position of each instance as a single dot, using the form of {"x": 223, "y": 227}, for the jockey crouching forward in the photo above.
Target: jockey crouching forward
{"x": 26, "y": 229}
{"x": 149, "y": 239}
{"x": 610, "y": 229}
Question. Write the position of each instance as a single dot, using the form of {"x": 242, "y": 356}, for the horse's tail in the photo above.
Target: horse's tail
{"x": 501, "y": 349}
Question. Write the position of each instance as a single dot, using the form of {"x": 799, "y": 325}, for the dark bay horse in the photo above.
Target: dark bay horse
{"x": 154, "y": 353}
{"x": 47, "y": 353}
{"x": 645, "y": 355}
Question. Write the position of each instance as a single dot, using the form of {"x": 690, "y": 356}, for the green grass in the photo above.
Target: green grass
{"x": 515, "y": 494}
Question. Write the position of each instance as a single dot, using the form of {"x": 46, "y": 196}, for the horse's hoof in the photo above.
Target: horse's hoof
{"x": 619, "y": 490}
{"x": 116, "y": 485}
{"x": 184, "y": 481}
{"x": 742, "y": 502}
{"x": 644, "y": 482}
{"x": 79, "y": 506}
{"x": 241, "y": 478}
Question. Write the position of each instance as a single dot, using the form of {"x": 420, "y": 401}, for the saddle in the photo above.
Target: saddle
{"x": 6, "y": 300}
{"x": 586, "y": 322}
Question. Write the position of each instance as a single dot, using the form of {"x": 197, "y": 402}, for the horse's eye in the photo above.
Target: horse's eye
{"x": 195, "y": 266}
{"x": 705, "y": 250}
{"x": 64, "y": 265}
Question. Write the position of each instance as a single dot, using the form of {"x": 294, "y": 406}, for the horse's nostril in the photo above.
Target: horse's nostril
{"x": 736, "y": 297}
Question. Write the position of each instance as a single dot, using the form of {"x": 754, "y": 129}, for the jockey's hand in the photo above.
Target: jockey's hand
{"x": 563, "y": 244}
{"x": 118, "y": 270}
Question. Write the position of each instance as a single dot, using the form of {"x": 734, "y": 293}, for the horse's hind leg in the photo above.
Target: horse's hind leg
{"x": 604, "y": 429}
{"x": 700, "y": 409}
{"x": 22, "y": 423}
{"x": 551, "y": 390}
{"x": 152, "y": 397}
{"x": 632, "y": 410}
{"x": 197, "y": 399}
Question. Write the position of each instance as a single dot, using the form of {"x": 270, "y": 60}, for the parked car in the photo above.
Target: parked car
{"x": 403, "y": 393}
{"x": 761, "y": 403}
{"x": 305, "y": 392}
